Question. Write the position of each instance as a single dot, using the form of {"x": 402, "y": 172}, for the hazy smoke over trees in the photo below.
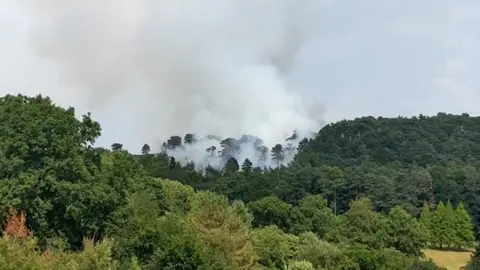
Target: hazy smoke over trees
{"x": 210, "y": 67}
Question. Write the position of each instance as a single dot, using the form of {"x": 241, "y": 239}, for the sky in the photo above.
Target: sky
{"x": 394, "y": 58}
{"x": 370, "y": 57}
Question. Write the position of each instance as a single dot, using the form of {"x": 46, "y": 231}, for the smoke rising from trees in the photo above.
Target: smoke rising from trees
{"x": 211, "y": 67}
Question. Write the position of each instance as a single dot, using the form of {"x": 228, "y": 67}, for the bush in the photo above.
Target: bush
{"x": 299, "y": 265}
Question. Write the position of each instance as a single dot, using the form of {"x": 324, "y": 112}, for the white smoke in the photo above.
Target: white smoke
{"x": 210, "y": 67}
{"x": 208, "y": 151}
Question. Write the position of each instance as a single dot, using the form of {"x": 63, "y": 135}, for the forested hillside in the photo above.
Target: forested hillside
{"x": 422, "y": 141}
{"x": 364, "y": 194}
{"x": 393, "y": 161}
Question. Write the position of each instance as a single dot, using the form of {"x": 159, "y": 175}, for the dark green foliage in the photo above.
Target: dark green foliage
{"x": 48, "y": 167}
{"x": 360, "y": 225}
{"x": 421, "y": 140}
{"x": 386, "y": 259}
{"x": 177, "y": 249}
{"x": 146, "y": 149}
{"x": 136, "y": 228}
{"x": 271, "y": 210}
{"x": 405, "y": 232}
{"x": 474, "y": 263}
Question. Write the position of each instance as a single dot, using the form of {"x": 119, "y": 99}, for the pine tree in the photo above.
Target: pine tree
{"x": 231, "y": 166}
{"x": 146, "y": 149}
{"x": 426, "y": 224}
{"x": 450, "y": 224}
{"x": 117, "y": 146}
{"x": 247, "y": 165}
{"x": 189, "y": 138}
{"x": 464, "y": 236}
{"x": 278, "y": 154}
{"x": 440, "y": 226}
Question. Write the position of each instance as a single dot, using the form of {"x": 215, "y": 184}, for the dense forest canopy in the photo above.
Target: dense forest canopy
{"x": 368, "y": 193}
{"x": 418, "y": 140}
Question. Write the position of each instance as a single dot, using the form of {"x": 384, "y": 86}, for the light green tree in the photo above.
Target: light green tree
{"x": 275, "y": 247}
{"x": 464, "y": 236}
{"x": 425, "y": 221}
{"x": 299, "y": 265}
{"x": 440, "y": 227}
{"x": 450, "y": 224}
{"x": 223, "y": 233}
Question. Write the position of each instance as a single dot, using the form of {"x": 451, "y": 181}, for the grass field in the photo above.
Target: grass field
{"x": 452, "y": 260}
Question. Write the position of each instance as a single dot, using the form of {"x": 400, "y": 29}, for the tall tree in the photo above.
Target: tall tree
{"x": 263, "y": 154}
{"x": 316, "y": 214}
{"x": 441, "y": 232}
{"x": 331, "y": 181}
{"x": 271, "y": 210}
{"x": 174, "y": 142}
{"x": 464, "y": 236}
{"x": 450, "y": 223}
{"x": 230, "y": 147}
{"x": 49, "y": 168}
{"x": 231, "y": 166}
{"x": 145, "y": 149}
{"x": 223, "y": 233}
{"x": 247, "y": 165}
{"x": 117, "y": 147}
{"x": 360, "y": 224}
{"x": 189, "y": 138}
{"x": 211, "y": 150}
{"x": 405, "y": 232}
{"x": 275, "y": 247}
{"x": 278, "y": 154}
{"x": 425, "y": 221}
{"x": 172, "y": 163}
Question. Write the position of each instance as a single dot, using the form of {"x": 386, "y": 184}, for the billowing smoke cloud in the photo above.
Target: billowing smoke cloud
{"x": 210, "y": 67}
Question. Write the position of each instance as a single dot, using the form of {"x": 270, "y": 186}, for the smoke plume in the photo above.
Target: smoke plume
{"x": 210, "y": 67}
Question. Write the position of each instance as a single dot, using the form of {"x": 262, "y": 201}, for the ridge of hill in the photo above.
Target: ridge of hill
{"x": 403, "y": 160}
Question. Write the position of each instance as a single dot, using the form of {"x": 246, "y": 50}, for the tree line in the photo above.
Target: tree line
{"x": 66, "y": 202}
{"x": 448, "y": 227}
